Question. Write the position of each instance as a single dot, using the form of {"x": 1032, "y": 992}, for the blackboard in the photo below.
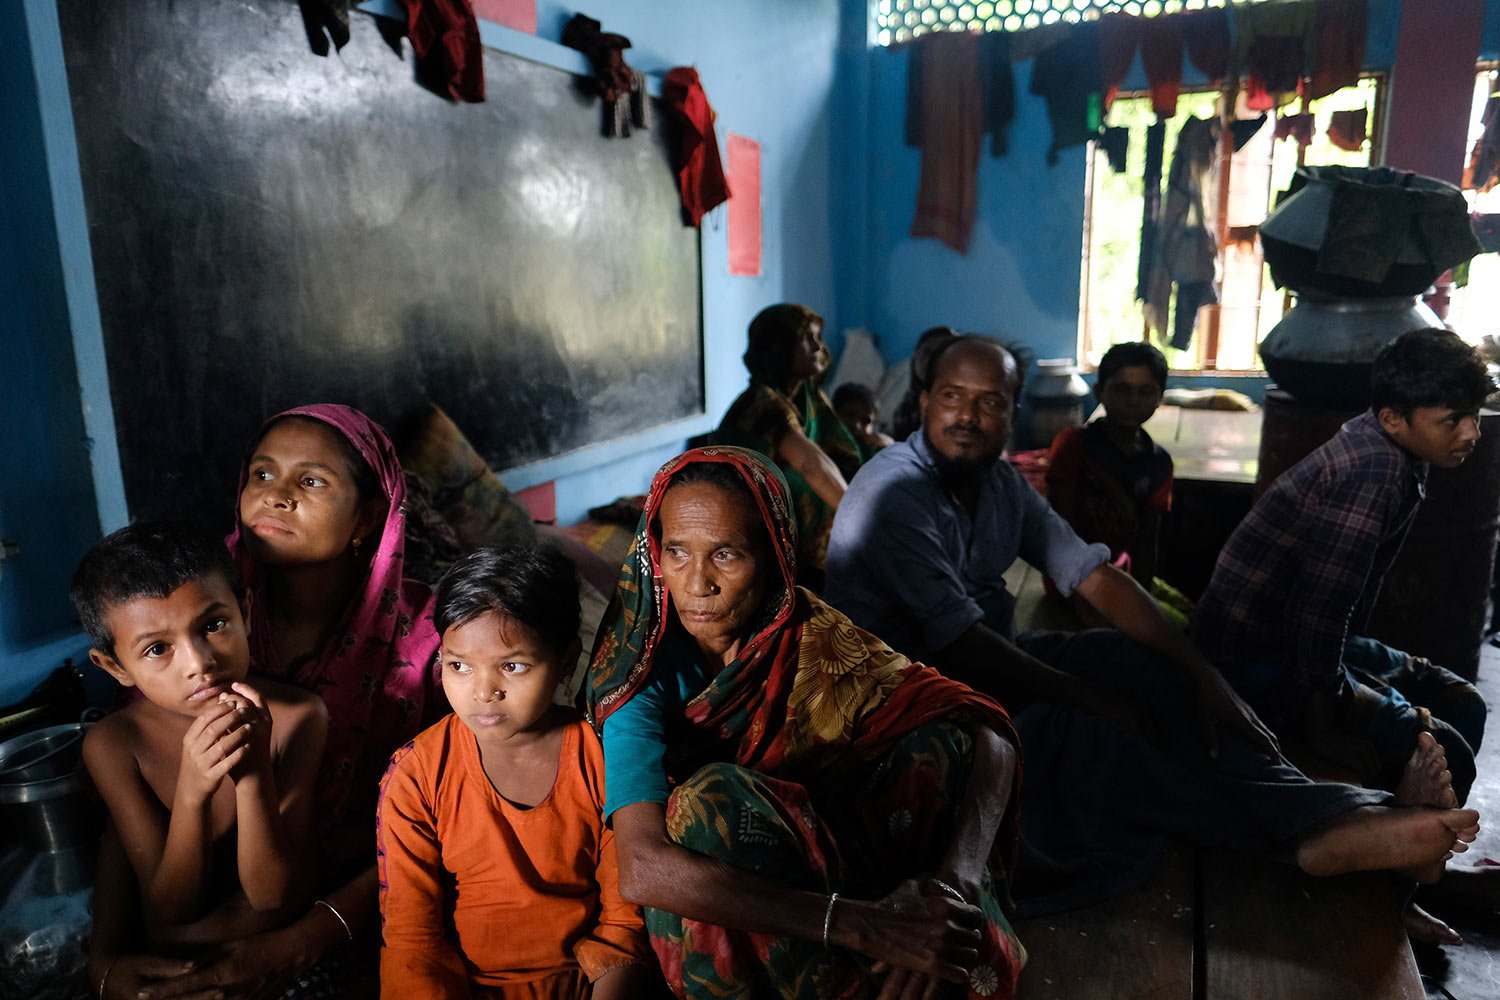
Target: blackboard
{"x": 269, "y": 228}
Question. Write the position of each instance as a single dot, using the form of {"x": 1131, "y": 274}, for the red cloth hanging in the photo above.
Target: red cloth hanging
{"x": 1161, "y": 54}
{"x": 445, "y": 39}
{"x": 700, "y": 172}
{"x": 1340, "y": 54}
{"x": 1119, "y": 36}
{"x": 1348, "y": 129}
{"x": 949, "y": 128}
{"x": 1205, "y": 34}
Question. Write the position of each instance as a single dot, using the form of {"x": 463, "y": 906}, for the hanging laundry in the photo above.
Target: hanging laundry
{"x": 1299, "y": 127}
{"x": 1483, "y": 170}
{"x": 1116, "y": 145}
{"x": 626, "y": 101}
{"x": 628, "y": 111}
{"x": 1191, "y": 296}
{"x": 1066, "y": 76}
{"x": 1340, "y": 53}
{"x": 1205, "y": 35}
{"x": 1119, "y": 37}
{"x": 1272, "y": 42}
{"x": 1242, "y": 130}
{"x": 1347, "y": 129}
{"x": 1034, "y": 41}
{"x": 1187, "y": 250}
{"x": 1161, "y": 55}
{"x": 945, "y": 117}
{"x": 325, "y": 20}
{"x": 999, "y": 81}
{"x": 445, "y": 40}
{"x": 700, "y": 173}
{"x": 1156, "y": 140}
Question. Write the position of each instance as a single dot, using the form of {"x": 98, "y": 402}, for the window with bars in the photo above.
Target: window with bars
{"x": 902, "y": 20}
{"x": 1228, "y": 334}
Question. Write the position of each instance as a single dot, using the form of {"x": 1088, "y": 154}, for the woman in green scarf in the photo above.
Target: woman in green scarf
{"x": 784, "y": 415}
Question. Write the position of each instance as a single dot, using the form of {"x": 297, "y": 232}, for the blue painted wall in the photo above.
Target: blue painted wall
{"x": 47, "y": 496}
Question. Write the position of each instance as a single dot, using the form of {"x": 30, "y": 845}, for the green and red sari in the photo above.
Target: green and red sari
{"x": 820, "y": 758}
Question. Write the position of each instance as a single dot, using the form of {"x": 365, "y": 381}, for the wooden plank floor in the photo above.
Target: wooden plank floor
{"x": 1137, "y": 947}
{"x": 1271, "y": 931}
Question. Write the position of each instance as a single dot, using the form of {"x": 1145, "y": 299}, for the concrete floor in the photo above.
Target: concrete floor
{"x": 1472, "y": 972}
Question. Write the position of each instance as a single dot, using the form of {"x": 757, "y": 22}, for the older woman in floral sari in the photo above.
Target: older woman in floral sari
{"x": 802, "y": 811}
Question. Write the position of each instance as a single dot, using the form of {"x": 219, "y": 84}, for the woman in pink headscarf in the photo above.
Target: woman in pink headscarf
{"x": 320, "y": 539}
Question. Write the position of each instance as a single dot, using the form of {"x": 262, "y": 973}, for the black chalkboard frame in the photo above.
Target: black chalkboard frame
{"x": 179, "y": 487}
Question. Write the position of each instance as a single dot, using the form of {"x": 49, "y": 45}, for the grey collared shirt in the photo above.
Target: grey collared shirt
{"x": 907, "y": 562}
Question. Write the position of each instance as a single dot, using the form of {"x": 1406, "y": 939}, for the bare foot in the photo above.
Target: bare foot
{"x": 1423, "y": 926}
{"x": 1374, "y": 837}
{"x": 1426, "y": 780}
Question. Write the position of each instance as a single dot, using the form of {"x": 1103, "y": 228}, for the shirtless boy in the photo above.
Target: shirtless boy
{"x": 208, "y": 779}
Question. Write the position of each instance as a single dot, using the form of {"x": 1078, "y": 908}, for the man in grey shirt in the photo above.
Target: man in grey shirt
{"x": 929, "y": 526}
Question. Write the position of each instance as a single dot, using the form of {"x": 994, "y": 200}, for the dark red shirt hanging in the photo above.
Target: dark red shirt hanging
{"x": 445, "y": 38}
{"x": 700, "y": 173}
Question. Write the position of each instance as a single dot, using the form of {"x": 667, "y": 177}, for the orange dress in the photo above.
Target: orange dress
{"x": 481, "y": 897}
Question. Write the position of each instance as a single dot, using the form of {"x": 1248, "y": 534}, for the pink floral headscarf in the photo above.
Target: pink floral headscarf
{"x": 376, "y": 672}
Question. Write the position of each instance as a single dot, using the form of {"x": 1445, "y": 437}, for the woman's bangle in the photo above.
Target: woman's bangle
{"x": 339, "y": 916}
{"x": 105, "y": 978}
{"x": 828, "y": 918}
{"x": 945, "y": 887}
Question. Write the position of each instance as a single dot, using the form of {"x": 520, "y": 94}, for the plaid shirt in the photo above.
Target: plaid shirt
{"x": 1300, "y": 575}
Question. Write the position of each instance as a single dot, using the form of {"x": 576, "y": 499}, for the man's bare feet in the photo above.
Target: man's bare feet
{"x": 1423, "y": 926}
{"x": 1426, "y": 780}
{"x": 1413, "y": 840}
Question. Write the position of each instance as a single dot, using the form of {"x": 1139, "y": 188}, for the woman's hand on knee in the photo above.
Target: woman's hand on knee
{"x": 917, "y": 928}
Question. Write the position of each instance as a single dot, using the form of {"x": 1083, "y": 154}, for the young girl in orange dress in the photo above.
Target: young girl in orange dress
{"x": 498, "y": 877}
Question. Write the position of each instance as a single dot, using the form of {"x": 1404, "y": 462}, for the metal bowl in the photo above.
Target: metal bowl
{"x": 43, "y": 804}
{"x": 46, "y": 753}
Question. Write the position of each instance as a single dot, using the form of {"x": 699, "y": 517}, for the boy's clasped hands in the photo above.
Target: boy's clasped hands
{"x": 235, "y": 732}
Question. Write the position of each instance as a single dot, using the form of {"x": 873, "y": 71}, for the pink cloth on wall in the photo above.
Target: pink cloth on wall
{"x": 375, "y": 672}
{"x": 517, "y": 14}
{"x": 744, "y": 224}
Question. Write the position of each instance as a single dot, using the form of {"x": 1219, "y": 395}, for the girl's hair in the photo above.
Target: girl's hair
{"x": 534, "y": 584}
{"x": 365, "y": 480}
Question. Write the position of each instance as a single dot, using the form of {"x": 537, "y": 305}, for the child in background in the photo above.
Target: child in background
{"x": 209, "y": 780}
{"x": 855, "y": 405}
{"x": 498, "y": 876}
{"x": 1109, "y": 480}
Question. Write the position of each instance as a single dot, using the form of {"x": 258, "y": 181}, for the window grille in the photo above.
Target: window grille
{"x": 902, "y": 20}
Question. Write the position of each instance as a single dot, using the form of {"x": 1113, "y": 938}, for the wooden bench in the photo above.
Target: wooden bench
{"x": 1216, "y": 924}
